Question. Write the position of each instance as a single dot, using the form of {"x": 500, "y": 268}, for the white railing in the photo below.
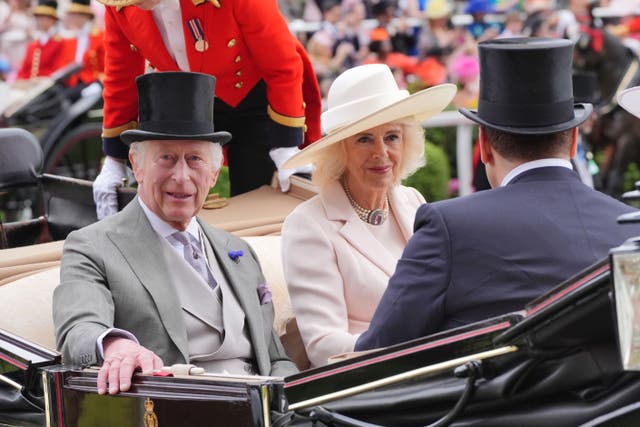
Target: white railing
{"x": 464, "y": 145}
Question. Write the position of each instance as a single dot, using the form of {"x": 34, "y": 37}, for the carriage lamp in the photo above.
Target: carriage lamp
{"x": 625, "y": 267}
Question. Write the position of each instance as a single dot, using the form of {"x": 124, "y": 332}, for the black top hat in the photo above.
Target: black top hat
{"x": 46, "y": 8}
{"x": 525, "y": 87}
{"x": 175, "y": 105}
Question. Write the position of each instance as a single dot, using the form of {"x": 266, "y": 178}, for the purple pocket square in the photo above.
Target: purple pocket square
{"x": 264, "y": 293}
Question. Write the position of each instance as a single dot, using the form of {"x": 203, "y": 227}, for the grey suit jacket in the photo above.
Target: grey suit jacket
{"x": 112, "y": 275}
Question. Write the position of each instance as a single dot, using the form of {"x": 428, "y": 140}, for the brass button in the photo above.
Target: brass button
{"x": 231, "y": 43}
{"x": 238, "y": 73}
{"x": 239, "y": 85}
{"x": 133, "y": 48}
{"x": 237, "y": 59}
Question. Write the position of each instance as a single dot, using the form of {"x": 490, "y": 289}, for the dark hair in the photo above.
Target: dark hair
{"x": 528, "y": 147}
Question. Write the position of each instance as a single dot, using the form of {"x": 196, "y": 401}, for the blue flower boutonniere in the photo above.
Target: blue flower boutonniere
{"x": 235, "y": 255}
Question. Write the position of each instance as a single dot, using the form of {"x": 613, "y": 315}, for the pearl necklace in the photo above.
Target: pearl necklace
{"x": 370, "y": 216}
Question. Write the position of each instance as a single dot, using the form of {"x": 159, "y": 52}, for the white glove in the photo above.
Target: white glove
{"x": 104, "y": 187}
{"x": 281, "y": 155}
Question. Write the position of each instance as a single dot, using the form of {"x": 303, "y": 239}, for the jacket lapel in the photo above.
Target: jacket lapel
{"x": 239, "y": 282}
{"x": 147, "y": 265}
{"x": 143, "y": 29}
{"x": 338, "y": 208}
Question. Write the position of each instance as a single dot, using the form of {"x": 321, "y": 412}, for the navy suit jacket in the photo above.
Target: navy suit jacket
{"x": 490, "y": 253}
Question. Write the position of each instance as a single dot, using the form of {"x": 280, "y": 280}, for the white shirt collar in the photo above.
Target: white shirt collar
{"x": 163, "y": 228}
{"x": 534, "y": 164}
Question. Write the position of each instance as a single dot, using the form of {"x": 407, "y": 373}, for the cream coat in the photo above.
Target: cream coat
{"x": 336, "y": 270}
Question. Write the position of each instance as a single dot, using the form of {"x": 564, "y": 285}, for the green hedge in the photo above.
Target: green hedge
{"x": 433, "y": 179}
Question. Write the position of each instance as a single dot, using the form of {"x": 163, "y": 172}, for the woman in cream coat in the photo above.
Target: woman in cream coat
{"x": 340, "y": 247}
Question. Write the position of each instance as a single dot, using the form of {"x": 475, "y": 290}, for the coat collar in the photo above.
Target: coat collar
{"x": 338, "y": 208}
{"x": 144, "y": 25}
{"x": 550, "y": 173}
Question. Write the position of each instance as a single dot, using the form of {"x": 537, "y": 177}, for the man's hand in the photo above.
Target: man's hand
{"x": 281, "y": 155}
{"x": 122, "y": 357}
{"x": 104, "y": 187}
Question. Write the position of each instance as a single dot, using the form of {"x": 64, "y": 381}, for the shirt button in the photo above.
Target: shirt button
{"x": 231, "y": 43}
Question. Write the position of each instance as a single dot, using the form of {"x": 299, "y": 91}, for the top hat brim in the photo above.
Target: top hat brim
{"x": 629, "y": 99}
{"x": 419, "y": 106}
{"x": 137, "y": 135}
{"x": 581, "y": 112}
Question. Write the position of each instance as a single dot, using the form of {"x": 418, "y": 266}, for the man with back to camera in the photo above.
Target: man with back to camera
{"x": 490, "y": 253}
{"x": 154, "y": 285}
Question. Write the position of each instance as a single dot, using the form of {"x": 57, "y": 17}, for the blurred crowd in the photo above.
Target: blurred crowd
{"x": 425, "y": 42}
{"x": 428, "y": 42}
{"x": 39, "y": 37}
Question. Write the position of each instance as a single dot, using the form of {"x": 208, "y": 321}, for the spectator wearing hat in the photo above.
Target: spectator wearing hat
{"x": 490, "y": 253}
{"x": 46, "y": 54}
{"x": 438, "y": 38}
{"x": 358, "y": 225}
{"x": 479, "y": 28}
{"x": 154, "y": 285}
{"x": 86, "y": 46}
{"x": 268, "y": 95}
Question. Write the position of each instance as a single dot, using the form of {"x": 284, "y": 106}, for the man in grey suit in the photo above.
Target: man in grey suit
{"x": 153, "y": 285}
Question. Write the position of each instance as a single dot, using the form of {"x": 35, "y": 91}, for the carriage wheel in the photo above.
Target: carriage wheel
{"x": 78, "y": 154}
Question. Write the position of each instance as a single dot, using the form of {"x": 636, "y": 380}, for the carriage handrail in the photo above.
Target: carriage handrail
{"x": 404, "y": 376}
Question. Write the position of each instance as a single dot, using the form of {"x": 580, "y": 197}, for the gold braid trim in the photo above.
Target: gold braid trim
{"x": 113, "y": 132}
{"x": 294, "y": 122}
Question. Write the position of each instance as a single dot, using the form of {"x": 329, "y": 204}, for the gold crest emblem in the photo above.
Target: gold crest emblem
{"x": 150, "y": 418}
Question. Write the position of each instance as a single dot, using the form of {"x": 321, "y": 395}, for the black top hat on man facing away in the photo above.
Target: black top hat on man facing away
{"x": 175, "y": 106}
{"x": 526, "y": 88}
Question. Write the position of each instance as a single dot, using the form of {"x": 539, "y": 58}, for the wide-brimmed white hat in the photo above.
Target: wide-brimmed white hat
{"x": 629, "y": 99}
{"x": 367, "y": 96}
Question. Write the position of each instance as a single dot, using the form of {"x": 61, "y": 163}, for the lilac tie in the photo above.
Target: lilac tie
{"x": 194, "y": 256}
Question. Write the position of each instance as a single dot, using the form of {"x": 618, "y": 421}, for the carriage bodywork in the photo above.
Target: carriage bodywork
{"x": 556, "y": 362}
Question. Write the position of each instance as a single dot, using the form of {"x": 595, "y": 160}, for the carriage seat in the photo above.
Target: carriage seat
{"x": 25, "y": 303}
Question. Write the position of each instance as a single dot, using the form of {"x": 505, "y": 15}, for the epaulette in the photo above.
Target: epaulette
{"x": 216, "y": 3}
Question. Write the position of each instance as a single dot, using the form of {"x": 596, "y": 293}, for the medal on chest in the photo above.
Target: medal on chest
{"x": 195, "y": 28}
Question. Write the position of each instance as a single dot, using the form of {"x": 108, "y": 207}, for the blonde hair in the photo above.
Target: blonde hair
{"x": 331, "y": 162}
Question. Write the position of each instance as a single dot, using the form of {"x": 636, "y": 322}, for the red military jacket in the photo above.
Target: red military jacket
{"x": 248, "y": 40}
{"x": 92, "y": 59}
{"x": 43, "y": 60}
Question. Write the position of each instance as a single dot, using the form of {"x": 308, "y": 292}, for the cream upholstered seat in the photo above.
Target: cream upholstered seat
{"x": 25, "y": 303}
{"x": 26, "y": 307}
